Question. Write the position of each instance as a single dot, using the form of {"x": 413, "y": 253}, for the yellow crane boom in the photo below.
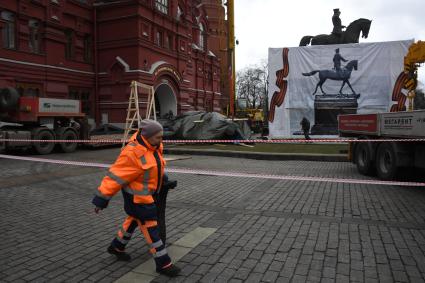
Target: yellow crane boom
{"x": 414, "y": 57}
{"x": 231, "y": 52}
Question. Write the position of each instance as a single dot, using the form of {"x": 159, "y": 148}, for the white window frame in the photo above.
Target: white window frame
{"x": 201, "y": 37}
{"x": 9, "y": 29}
{"x": 162, "y": 6}
{"x": 34, "y": 40}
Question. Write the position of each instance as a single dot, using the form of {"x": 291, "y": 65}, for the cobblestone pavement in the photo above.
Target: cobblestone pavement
{"x": 268, "y": 230}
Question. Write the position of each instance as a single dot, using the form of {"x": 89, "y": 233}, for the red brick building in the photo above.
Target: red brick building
{"x": 92, "y": 50}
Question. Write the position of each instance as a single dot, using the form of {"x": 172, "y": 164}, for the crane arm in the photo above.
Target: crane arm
{"x": 416, "y": 54}
{"x": 413, "y": 58}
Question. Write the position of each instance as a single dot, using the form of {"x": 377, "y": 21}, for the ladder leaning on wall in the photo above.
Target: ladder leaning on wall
{"x": 133, "y": 120}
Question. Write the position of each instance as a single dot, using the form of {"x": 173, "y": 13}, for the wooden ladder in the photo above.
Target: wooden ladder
{"x": 133, "y": 120}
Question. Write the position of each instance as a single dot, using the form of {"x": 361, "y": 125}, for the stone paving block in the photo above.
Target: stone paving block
{"x": 343, "y": 269}
{"x": 299, "y": 279}
{"x": 287, "y": 272}
{"x": 34, "y": 275}
{"x": 357, "y": 265}
{"x": 228, "y": 273}
{"x": 330, "y": 261}
{"x": 261, "y": 267}
{"x": 413, "y": 272}
{"x": 16, "y": 276}
{"x": 280, "y": 256}
{"x": 188, "y": 269}
{"x": 283, "y": 280}
{"x": 256, "y": 254}
{"x": 400, "y": 276}
{"x": 270, "y": 276}
{"x": 254, "y": 278}
{"x": 329, "y": 272}
{"x": 342, "y": 278}
{"x": 235, "y": 264}
{"x": 193, "y": 278}
{"x": 357, "y": 275}
{"x": 242, "y": 273}
{"x": 314, "y": 276}
{"x": 194, "y": 238}
{"x": 209, "y": 277}
{"x": 276, "y": 265}
{"x": 249, "y": 263}
{"x": 202, "y": 269}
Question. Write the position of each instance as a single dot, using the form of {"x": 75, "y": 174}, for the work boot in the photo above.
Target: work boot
{"x": 170, "y": 270}
{"x": 121, "y": 255}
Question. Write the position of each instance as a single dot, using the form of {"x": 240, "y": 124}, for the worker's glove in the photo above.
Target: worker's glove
{"x": 167, "y": 183}
{"x": 170, "y": 184}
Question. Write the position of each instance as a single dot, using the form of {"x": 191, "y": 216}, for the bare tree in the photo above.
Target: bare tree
{"x": 264, "y": 64}
{"x": 251, "y": 84}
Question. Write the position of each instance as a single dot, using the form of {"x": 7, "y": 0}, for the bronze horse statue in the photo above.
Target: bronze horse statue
{"x": 343, "y": 75}
{"x": 350, "y": 35}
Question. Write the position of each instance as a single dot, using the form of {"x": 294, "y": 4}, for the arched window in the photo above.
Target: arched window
{"x": 201, "y": 36}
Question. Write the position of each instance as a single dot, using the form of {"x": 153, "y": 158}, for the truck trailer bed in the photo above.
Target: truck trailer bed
{"x": 391, "y": 124}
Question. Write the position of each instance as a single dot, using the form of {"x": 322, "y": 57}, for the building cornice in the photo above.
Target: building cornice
{"x": 45, "y": 66}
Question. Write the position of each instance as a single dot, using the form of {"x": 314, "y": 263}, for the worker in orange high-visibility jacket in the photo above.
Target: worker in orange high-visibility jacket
{"x": 138, "y": 173}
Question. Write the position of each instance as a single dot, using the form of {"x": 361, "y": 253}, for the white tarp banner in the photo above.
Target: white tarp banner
{"x": 371, "y": 69}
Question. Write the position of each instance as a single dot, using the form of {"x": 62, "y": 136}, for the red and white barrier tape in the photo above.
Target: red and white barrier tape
{"x": 118, "y": 141}
{"x": 229, "y": 174}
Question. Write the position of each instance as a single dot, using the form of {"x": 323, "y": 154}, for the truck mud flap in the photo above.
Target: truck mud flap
{"x": 404, "y": 154}
{"x": 420, "y": 156}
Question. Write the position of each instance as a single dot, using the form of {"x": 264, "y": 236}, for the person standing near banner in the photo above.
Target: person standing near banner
{"x": 305, "y": 126}
{"x": 138, "y": 172}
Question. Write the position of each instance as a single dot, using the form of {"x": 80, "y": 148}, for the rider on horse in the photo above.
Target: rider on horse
{"x": 337, "y": 60}
{"x": 337, "y": 30}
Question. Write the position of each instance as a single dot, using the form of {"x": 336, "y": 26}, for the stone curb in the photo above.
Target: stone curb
{"x": 261, "y": 155}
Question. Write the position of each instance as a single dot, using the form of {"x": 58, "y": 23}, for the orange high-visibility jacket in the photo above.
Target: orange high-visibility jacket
{"x": 138, "y": 171}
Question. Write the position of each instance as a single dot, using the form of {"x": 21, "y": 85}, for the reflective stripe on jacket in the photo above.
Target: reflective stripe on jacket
{"x": 138, "y": 171}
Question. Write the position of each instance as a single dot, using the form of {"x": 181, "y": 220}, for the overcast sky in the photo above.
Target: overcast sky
{"x": 260, "y": 24}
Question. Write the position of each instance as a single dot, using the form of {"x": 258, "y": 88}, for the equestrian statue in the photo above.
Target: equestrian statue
{"x": 338, "y": 36}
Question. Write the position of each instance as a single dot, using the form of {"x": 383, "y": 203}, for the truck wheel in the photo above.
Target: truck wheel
{"x": 43, "y": 147}
{"x": 9, "y": 98}
{"x": 363, "y": 159}
{"x": 68, "y": 147}
{"x": 386, "y": 163}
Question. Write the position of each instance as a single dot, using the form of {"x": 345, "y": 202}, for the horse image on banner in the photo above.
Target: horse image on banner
{"x": 342, "y": 75}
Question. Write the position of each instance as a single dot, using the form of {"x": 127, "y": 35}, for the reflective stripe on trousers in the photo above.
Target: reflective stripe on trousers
{"x": 150, "y": 231}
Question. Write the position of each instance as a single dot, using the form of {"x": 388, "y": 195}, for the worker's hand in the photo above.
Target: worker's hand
{"x": 173, "y": 184}
{"x": 97, "y": 209}
{"x": 170, "y": 184}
